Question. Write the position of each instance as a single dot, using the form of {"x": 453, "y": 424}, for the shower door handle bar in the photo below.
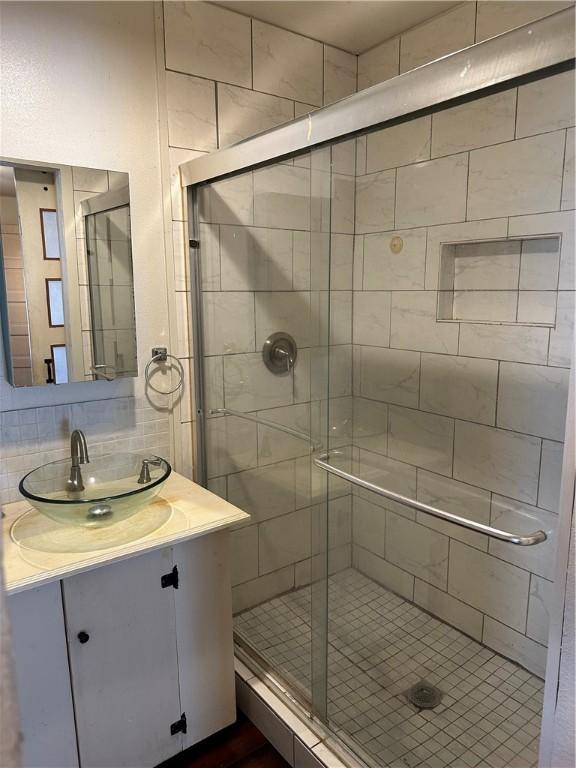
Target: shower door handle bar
{"x": 523, "y": 540}
{"x": 266, "y": 423}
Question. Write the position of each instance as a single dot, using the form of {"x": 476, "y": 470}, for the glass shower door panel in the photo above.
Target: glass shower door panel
{"x": 462, "y": 330}
{"x": 264, "y": 271}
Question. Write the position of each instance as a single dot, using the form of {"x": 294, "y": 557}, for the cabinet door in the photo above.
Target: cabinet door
{"x": 43, "y": 678}
{"x": 125, "y": 674}
{"x": 204, "y": 631}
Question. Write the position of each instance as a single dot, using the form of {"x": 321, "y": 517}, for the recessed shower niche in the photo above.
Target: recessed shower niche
{"x": 500, "y": 281}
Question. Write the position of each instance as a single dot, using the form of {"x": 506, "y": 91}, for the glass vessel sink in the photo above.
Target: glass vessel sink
{"x": 116, "y": 486}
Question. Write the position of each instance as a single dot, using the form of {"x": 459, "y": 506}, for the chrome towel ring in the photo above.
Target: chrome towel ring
{"x": 161, "y": 355}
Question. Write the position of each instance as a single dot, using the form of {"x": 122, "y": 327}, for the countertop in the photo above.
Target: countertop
{"x": 38, "y": 550}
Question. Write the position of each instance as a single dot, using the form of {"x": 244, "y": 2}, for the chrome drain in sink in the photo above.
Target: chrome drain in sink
{"x": 424, "y": 695}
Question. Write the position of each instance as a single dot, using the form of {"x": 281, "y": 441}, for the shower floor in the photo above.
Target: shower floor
{"x": 379, "y": 645}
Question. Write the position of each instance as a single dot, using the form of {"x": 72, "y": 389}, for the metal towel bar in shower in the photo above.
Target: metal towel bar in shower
{"x": 266, "y": 423}
{"x": 526, "y": 540}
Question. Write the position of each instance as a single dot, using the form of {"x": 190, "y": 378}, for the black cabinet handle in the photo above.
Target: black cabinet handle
{"x": 83, "y": 637}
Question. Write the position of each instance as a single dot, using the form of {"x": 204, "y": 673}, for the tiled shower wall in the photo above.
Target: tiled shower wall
{"x": 466, "y": 416}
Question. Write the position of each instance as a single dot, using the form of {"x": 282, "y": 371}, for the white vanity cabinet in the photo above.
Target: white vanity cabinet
{"x": 129, "y": 663}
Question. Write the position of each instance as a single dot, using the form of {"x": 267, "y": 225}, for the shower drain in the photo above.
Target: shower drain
{"x": 423, "y": 695}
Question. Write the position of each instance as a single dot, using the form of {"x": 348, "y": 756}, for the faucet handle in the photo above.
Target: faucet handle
{"x": 144, "y": 476}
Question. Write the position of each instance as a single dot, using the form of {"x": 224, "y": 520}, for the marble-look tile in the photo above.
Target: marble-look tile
{"x": 461, "y": 387}
{"x": 191, "y": 112}
{"x": 539, "y": 604}
{"x": 568, "y": 184}
{"x": 448, "y": 233}
{"x": 275, "y": 445}
{"x": 228, "y": 322}
{"x": 399, "y": 145}
{"x": 284, "y": 540}
{"x": 417, "y": 549}
{"x": 494, "y": 587}
{"x": 300, "y": 110}
{"x": 519, "y": 177}
{"x": 372, "y": 318}
{"x": 457, "y": 498}
{"x": 243, "y": 113}
{"x": 341, "y": 262}
{"x": 520, "y": 344}
{"x": 375, "y": 202}
{"x": 550, "y": 475}
{"x": 562, "y": 336}
{"x": 343, "y": 156}
{"x": 231, "y": 445}
{"x": 340, "y": 317}
{"x": 546, "y": 105}
{"x": 261, "y": 589}
{"x": 368, "y": 525}
{"x": 210, "y": 244}
{"x": 342, "y": 203}
{"x": 290, "y": 311}
{"x": 384, "y": 269}
{"x": 423, "y": 439}
{"x": 227, "y": 202}
{"x": 301, "y": 261}
{"x": 537, "y": 307}
{"x": 484, "y": 306}
{"x": 478, "y": 123}
{"x": 383, "y": 572}
{"x": 287, "y": 64}
{"x": 370, "y": 425}
{"x": 389, "y": 375}
{"x": 209, "y": 41}
{"x": 448, "y": 608}
{"x": 443, "y": 34}
{"x": 515, "y": 645}
{"x": 244, "y": 554}
{"x": 521, "y": 518}
{"x": 414, "y": 325}
{"x": 396, "y": 476}
{"x": 249, "y": 385}
{"x": 552, "y": 224}
{"x": 497, "y": 16}
{"x": 177, "y": 156}
{"x": 282, "y": 197}
{"x": 214, "y": 382}
{"x": 499, "y": 460}
{"x": 423, "y": 196}
{"x": 379, "y": 63}
{"x": 491, "y": 266}
{"x": 255, "y": 259}
{"x": 361, "y": 145}
{"x": 264, "y": 492}
{"x": 339, "y": 74}
{"x": 540, "y": 264}
{"x": 533, "y": 399}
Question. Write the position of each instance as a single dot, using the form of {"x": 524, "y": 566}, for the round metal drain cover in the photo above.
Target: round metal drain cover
{"x": 424, "y": 696}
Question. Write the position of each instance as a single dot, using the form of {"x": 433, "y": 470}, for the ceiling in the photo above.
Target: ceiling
{"x": 353, "y": 26}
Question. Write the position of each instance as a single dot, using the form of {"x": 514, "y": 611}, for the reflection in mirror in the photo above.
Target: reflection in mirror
{"x": 66, "y": 281}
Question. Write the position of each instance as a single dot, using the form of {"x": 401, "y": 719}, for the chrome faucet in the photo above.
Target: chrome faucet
{"x": 78, "y": 455}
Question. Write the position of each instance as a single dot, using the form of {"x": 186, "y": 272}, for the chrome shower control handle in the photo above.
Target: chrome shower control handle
{"x": 279, "y": 352}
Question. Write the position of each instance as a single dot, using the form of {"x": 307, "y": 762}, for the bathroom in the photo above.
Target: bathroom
{"x": 325, "y": 361}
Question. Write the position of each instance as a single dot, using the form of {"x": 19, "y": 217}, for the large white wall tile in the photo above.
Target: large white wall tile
{"x": 537, "y": 307}
{"x": 243, "y": 113}
{"x": 228, "y": 322}
{"x": 287, "y": 64}
{"x": 264, "y": 492}
{"x": 414, "y": 325}
{"x": 339, "y": 74}
{"x": 396, "y": 476}
{"x": 368, "y": 525}
{"x": 342, "y": 203}
{"x": 488, "y": 584}
{"x": 255, "y": 259}
{"x": 491, "y": 266}
{"x": 372, "y": 318}
{"x": 417, "y": 549}
{"x": 462, "y": 387}
{"x": 399, "y": 581}
{"x": 375, "y": 202}
{"x": 275, "y": 445}
{"x": 540, "y": 264}
{"x": 191, "y": 112}
{"x": 283, "y": 540}
{"x": 539, "y": 605}
{"x": 203, "y": 39}
{"x": 504, "y": 342}
{"x": 230, "y": 445}
{"x": 423, "y": 439}
{"x": 568, "y": 183}
{"x": 485, "y": 306}
{"x": 546, "y": 105}
{"x": 263, "y": 588}
{"x": 533, "y": 399}
{"x": 383, "y": 269}
{"x": 423, "y": 196}
{"x": 519, "y": 177}
{"x": 550, "y": 475}
{"x": 399, "y": 145}
{"x": 340, "y": 317}
{"x": 379, "y": 63}
{"x": 282, "y": 197}
{"x": 341, "y": 261}
{"x": 552, "y": 223}
{"x": 389, "y": 375}
{"x": 445, "y": 33}
{"x": 288, "y": 311}
{"x": 249, "y": 385}
{"x": 497, "y": 16}
{"x": 478, "y": 123}
{"x": 445, "y": 607}
{"x": 228, "y": 202}
{"x": 370, "y": 424}
{"x": 502, "y": 461}
{"x": 244, "y": 553}
{"x": 515, "y": 645}
{"x": 561, "y": 348}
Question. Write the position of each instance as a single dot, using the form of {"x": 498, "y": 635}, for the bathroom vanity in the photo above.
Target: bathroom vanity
{"x": 122, "y": 636}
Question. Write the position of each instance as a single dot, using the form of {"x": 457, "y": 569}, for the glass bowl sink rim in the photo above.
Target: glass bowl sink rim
{"x": 95, "y": 500}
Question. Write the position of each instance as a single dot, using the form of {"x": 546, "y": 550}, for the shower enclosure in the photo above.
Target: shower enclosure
{"x": 383, "y": 328}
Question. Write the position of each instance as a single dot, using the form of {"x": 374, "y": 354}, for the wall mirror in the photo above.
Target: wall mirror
{"x": 66, "y": 278}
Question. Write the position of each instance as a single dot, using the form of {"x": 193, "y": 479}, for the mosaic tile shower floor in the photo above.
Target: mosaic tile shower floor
{"x": 379, "y": 646}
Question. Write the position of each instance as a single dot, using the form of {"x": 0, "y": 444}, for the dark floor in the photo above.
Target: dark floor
{"x": 239, "y": 746}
